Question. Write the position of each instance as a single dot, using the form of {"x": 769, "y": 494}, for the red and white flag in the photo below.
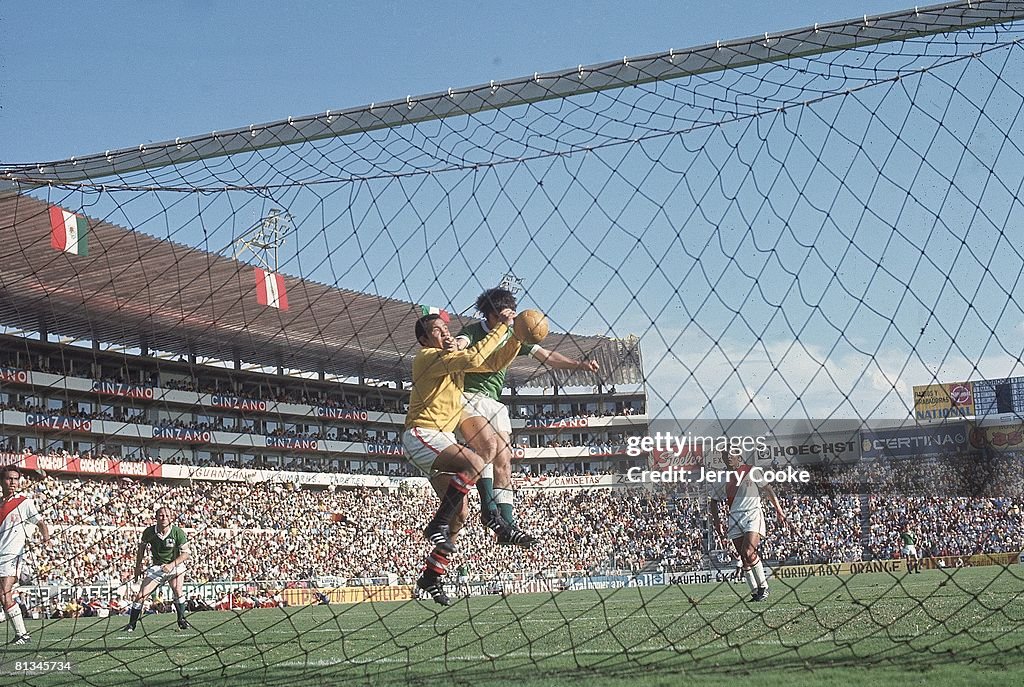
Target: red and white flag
{"x": 270, "y": 289}
{"x": 68, "y": 232}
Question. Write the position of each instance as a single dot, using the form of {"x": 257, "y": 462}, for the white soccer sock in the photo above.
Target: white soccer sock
{"x": 759, "y": 576}
{"x": 487, "y": 472}
{"x": 504, "y": 495}
{"x": 14, "y": 615}
{"x": 748, "y": 575}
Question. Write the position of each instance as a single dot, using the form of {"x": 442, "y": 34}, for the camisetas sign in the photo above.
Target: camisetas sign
{"x": 561, "y": 481}
{"x": 919, "y": 440}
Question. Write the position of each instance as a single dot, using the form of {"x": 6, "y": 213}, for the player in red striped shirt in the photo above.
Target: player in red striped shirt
{"x": 16, "y": 514}
{"x": 742, "y": 494}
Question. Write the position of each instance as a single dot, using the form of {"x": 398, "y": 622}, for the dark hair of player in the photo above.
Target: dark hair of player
{"x": 423, "y": 324}
{"x": 9, "y": 468}
{"x": 494, "y": 301}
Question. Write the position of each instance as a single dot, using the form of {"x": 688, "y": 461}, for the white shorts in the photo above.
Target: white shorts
{"x": 9, "y": 565}
{"x": 422, "y": 446}
{"x": 910, "y": 550}
{"x": 481, "y": 405}
{"x": 463, "y": 579}
{"x": 157, "y": 574}
{"x": 749, "y": 521}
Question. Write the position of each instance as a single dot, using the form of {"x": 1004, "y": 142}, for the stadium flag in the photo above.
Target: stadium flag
{"x": 427, "y": 310}
{"x": 270, "y": 289}
{"x": 68, "y": 231}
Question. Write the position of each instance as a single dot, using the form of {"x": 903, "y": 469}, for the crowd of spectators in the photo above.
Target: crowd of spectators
{"x": 610, "y": 445}
{"x": 169, "y": 381}
{"x": 247, "y": 532}
{"x": 278, "y": 531}
{"x": 553, "y": 417}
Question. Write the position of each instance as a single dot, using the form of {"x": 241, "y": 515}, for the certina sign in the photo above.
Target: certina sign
{"x": 120, "y": 389}
{"x": 238, "y": 403}
{"x": 912, "y": 441}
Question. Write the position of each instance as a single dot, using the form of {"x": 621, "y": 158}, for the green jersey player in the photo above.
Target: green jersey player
{"x": 910, "y": 554}
{"x": 170, "y": 552}
{"x": 485, "y": 421}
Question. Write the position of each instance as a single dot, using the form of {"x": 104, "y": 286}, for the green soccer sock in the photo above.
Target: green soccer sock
{"x": 485, "y": 487}
{"x": 506, "y": 504}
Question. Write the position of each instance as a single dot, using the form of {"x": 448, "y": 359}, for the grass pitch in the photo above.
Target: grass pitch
{"x": 936, "y": 628}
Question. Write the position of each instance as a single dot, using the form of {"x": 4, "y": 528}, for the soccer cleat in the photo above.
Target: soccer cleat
{"x": 508, "y": 535}
{"x": 440, "y": 535}
{"x": 129, "y": 629}
{"x": 760, "y": 595}
{"x": 435, "y": 589}
{"x": 21, "y": 639}
{"x": 184, "y": 625}
{"x": 516, "y": 537}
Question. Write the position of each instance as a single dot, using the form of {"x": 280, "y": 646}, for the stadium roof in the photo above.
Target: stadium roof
{"x": 136, "y": 290}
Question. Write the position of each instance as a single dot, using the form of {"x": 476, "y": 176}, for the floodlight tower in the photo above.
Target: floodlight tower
{"x": 265, "y": 238}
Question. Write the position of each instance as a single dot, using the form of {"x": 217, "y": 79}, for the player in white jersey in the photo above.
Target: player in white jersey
{"x": 742, "y": 494}
{"x": 17, "y": 513}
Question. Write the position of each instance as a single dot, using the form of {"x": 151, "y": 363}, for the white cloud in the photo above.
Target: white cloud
{"x": 787, "y": 379}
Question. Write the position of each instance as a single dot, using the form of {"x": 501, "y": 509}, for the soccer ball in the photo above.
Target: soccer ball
{"x": 531, "y": 326}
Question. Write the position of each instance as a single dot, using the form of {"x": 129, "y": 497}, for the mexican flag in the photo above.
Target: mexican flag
{"x": 68, "y": 231}
{"x": 270, "y": 289}
{"x": 427, "y": 310}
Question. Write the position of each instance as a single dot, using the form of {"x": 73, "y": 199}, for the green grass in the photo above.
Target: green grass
{"x": 933, "y": 628}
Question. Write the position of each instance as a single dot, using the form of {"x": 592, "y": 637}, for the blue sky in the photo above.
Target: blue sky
{"x": 84, "y": 77}
{"x": 790, "y": 265}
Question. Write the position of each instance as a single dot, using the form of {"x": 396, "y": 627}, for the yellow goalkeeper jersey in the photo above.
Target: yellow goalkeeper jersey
{"x": 437, "y": 378}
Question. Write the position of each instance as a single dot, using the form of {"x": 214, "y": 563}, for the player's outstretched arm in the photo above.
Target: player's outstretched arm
{"x": 560, "y": 362}
{"x": 501, "y": 358}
